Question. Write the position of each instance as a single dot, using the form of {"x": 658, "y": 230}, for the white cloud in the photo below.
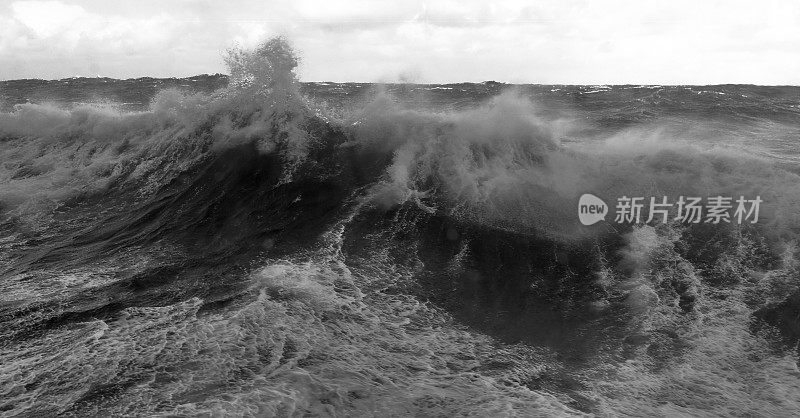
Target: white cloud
{"x": 48, "y": 18}
{"x": 573, "y": 41}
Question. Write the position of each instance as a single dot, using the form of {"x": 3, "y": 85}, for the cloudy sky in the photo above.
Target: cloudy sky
{"x": 554, "y": 41}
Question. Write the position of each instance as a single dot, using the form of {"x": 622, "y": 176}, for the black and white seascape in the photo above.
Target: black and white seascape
{"x": 433, "y": 209}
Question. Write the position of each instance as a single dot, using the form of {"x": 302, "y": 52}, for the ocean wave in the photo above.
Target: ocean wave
{"x": 252, "y": 251}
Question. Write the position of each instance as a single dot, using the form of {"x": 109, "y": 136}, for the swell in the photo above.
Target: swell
{"x": 200, "y": 229}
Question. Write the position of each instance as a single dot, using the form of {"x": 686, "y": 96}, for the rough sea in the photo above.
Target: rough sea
{"x": 249, "y": 245}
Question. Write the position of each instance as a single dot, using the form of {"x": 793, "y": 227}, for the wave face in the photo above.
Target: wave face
{"x": 251, "y": 245}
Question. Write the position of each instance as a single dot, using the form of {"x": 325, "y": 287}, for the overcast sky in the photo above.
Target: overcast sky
{"x": 573, "y": 41}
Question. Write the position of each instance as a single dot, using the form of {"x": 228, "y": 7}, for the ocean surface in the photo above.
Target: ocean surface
{"x": 249, "y": 245}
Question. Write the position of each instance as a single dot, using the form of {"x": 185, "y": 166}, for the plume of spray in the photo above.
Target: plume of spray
{"x": 265, "y": 99}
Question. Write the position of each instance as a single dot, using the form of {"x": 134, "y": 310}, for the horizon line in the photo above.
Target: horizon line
{"x": 411, "y": 82}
